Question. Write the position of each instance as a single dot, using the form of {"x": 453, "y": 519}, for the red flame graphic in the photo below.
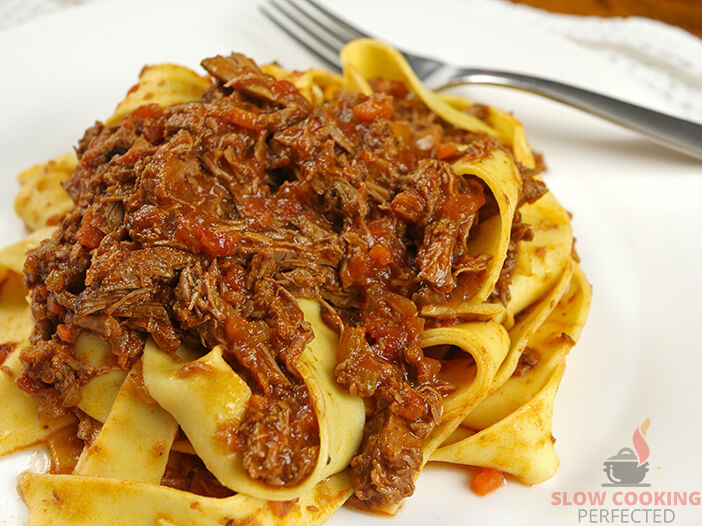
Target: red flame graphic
{"x": 640, "y": 444}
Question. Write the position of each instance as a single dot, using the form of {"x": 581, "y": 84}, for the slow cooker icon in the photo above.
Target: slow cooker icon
{"x": 623, "y": 469}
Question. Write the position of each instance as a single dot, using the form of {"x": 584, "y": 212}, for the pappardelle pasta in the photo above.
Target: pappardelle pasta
{"x": 253, "y": 297}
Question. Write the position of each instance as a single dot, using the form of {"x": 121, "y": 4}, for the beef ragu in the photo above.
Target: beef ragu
{"x": 201, "y": 223}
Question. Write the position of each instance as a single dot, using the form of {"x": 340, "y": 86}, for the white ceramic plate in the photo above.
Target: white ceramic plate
{"x": 637, "y": 217}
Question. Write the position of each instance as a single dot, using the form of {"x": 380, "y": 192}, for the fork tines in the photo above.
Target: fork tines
{"x": 314, "y": 27}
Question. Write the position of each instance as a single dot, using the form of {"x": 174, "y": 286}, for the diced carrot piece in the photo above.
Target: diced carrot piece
{"x": 382, "y": 255}
{"x": 245, "y": 119}
{"x": 487, "y": 481}
{"x": 240, "y": 117}
{"x": 89, "y": 236}
{"x": 370, "y": 108}
{"x": 446, "y": 150}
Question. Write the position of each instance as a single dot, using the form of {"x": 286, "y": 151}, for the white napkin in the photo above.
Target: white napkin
{"x": 663, "y": 58}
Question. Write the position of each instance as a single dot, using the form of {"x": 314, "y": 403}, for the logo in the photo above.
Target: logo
{"x": 628, "y": 468}
{"x": 630, "y": 500}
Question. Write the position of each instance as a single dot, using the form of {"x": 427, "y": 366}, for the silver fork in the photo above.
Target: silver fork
{"x": 323, "y": 33}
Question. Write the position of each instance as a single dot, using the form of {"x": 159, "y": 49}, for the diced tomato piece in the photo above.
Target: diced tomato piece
{"x": 381, "y": 228}
{"x": 53, "y": 220}
{"x": 236, "y": 278}
{"x": 392, "y": 342}
{"x": 255, "y": 205}
{"x": 288, "y": 208}
{"x": 89, "y": 236}
{"x": 149, "y": 217}
{"x": 486, "y": 481}
{"x": 212, "y": 242}
{"x": 132, "y": 155}
{"x": 356, "y": 269}
{"x": 236, "y": 329}
{"x": 216, "y": 244}
{"x": 241, "y": 332}
{"x": 372, "y": 107}
{"x": 27, "y": 384}
{"x": 284, "y": 87}
{"x": 461, "y": 206}
{"x": 396, "y": 88}
{"x": 147, "y": 110}
{"x": 366, "y": 155}
{"x": 188, "y": 231}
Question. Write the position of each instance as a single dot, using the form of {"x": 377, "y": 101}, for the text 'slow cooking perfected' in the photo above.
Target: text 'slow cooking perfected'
{"x": 253, "y": 297}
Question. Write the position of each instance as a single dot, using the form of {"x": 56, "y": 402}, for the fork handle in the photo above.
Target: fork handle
{"x": 678, "y": 134}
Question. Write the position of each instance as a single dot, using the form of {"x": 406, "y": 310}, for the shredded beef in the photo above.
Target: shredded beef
{"x": 88, "y": 427}
{"x": 531, "y": 191}
{"x": 520, "y": 232}
{"x": 529, "y": 359}
{"x": 201, "y": 223}
{"x": 188, "y": 473}
{"x": 5, "y": 349}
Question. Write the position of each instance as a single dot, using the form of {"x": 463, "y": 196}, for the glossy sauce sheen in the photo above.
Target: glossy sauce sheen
{"x": 202, "y": 222}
